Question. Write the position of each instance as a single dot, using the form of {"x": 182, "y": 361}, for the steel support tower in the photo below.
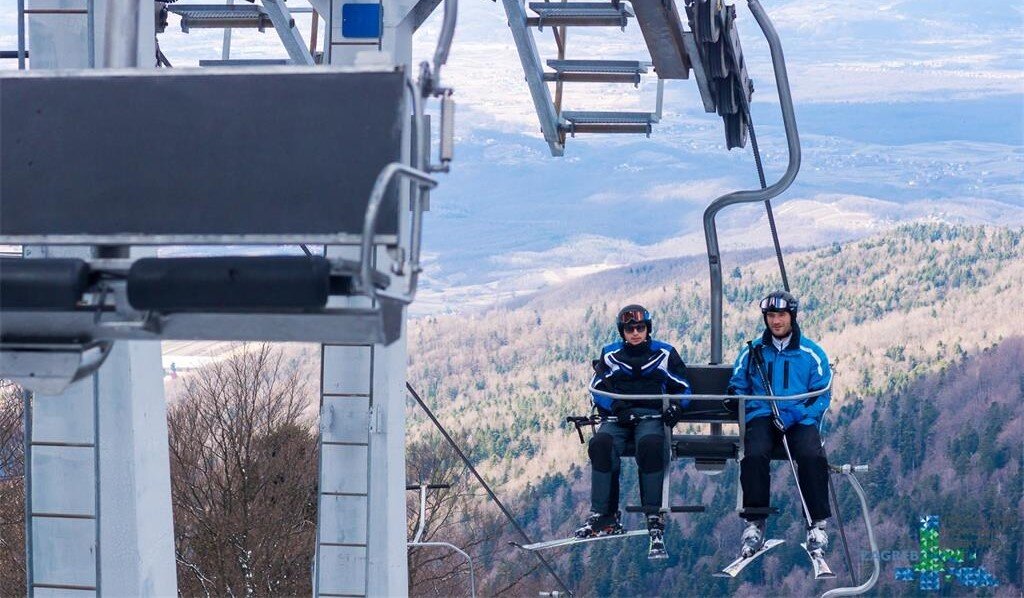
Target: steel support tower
{"x": 97, "y": 469}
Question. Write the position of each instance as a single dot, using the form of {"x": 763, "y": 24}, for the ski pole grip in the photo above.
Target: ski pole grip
{"x": 579, "y": 422}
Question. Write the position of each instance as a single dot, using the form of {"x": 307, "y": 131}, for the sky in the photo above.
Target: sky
{"x": 907, "y": 110}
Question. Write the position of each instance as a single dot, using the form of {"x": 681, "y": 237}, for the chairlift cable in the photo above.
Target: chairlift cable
{"x": 483, "y": 483}
{"x": 767, "y": 202}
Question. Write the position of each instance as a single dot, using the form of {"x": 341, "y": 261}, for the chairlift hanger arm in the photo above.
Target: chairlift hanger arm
{"x": 750, "y": 196}
{"x": 848, "y": 472}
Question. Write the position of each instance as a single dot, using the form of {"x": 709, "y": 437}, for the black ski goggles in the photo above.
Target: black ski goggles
{"x": 634, "y": 315}
{"x": 777, "y": 304}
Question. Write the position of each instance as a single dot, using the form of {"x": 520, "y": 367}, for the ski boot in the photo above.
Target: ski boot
{"x": 817, "y": 539}
{"x": 753, "y": 538}
{"x": 817, "y": 542}
{"x": 656, "y": 529}
{"x": 600, "y": 525}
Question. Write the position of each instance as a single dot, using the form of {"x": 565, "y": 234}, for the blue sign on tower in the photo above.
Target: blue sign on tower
{"x": 360, "y": 20}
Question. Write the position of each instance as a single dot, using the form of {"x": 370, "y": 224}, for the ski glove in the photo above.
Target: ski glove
{"x": 672, "y": 415}
{"x": 624, "y": 412}
{"x": 731, "y": 405}
{"x": 785, "y": 420}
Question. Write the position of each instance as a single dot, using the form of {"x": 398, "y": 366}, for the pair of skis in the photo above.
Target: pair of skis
{"x": 654, "y": 554}
{"x": 821, "y": 568}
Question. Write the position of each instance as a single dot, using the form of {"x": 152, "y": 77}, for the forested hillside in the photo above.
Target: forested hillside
{"x": 924, "y": 327}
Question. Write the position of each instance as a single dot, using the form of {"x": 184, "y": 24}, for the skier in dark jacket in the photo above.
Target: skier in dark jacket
{"x": 637, "y": 365}
{"x": 793, "y": 364}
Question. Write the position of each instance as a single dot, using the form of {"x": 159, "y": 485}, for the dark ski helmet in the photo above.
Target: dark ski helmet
{"x": 779, "y": 301}
{"x": 633, "y": 313}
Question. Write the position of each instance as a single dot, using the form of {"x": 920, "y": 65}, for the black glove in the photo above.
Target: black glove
{"x": 731, "y": 405}
{"x": 624, "y": 413}
{"x": 672, "y": 415}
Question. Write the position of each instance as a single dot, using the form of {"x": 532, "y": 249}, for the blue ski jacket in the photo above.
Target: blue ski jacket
{"x": 651, "y": 368}
{"x": 800, "y": 367}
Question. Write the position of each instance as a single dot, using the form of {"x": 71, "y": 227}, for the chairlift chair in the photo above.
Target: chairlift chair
{"x": 120, "y": 158}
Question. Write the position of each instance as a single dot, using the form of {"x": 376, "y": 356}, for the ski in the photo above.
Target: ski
{"x": 572, "y": 541}
{"x": 734, "y": 568}
{"x": 821, "y": 568}
{"x": 656, "y": 551}
{"x": 657, "y": 554}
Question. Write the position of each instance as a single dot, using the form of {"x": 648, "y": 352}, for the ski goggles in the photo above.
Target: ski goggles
{"x": 634, "y": 315}
{"x": 777, "y": 304}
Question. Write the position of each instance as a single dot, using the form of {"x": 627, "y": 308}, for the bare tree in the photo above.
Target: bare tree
{"x": 12, "y": 491}
{"x": 243, "y": 477}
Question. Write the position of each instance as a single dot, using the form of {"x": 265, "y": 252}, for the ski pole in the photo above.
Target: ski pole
{"x": 668, "y": 459}
{"x": 758, "y": 360}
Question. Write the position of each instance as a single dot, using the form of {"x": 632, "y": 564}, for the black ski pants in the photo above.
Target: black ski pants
{"x": 812, "y": 467}
{"x": 606, "y": 449}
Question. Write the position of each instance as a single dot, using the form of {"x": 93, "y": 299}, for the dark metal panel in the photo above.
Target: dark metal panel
{"x": 662, "y": 27}
{"x": 216, "y": 155}
{"x": 39, "y": 330}
{"x": 709, "y": 379}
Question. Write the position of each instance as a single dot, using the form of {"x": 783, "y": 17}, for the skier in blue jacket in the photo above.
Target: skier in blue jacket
{"x": 793, "y": 364}
{"x": 637, "y": 365}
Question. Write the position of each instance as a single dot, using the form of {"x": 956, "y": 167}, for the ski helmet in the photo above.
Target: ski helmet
{"x": 633, "y": 313}
{"x": 779, "y": 301}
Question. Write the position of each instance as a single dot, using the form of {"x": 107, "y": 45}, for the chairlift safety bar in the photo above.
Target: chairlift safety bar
{"x": 800, "y": 397}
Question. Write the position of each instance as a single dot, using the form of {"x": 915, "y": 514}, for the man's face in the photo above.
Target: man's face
{"x": 635, "y": 332}
{"x": 780, "y": 323}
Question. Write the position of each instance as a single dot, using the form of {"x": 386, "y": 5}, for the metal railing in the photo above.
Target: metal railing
{"x": 416, "y": 540}
{"x": 705, "y": 397}
{"x": 415, "y": 171}
{"x": 848, "y": 471}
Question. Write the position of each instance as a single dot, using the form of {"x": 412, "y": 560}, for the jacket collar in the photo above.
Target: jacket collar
{"x": 794, "y": 339}
{"x": 642, "y": 349}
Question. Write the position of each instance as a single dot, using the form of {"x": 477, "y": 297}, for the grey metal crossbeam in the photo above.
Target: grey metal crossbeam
{"x": 603, "y": 117}
{"x": 598, "y": 66}
{"x": 579, "y": 14}
{"x": 217, "y": 16}
{"x": 596, "y": 71}
{"x": 289, "y": 34}
{"x": 530, "y": 59}
{"x": 245, "y": 62}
